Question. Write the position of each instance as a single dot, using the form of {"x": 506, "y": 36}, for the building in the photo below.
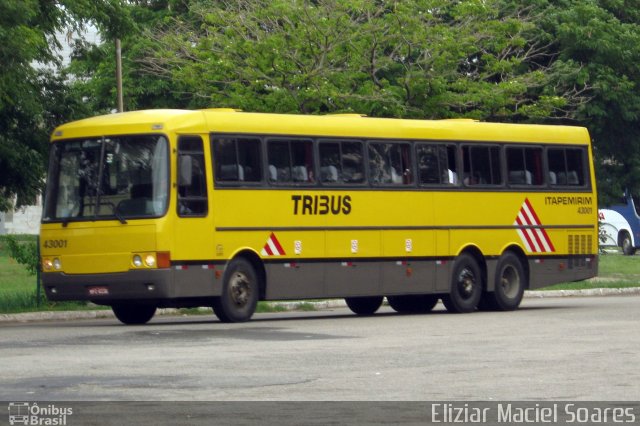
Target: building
{"x": 25, "y": 220}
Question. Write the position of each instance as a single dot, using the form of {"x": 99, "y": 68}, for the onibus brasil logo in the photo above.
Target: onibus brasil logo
{"x": 26, "y": 413}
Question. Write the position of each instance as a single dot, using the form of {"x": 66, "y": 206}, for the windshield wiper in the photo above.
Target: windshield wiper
{"x": 118, "y": 215}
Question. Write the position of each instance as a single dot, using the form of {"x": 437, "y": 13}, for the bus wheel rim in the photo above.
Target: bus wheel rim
{"x": 509, "y": 281}
{"x": 466, "y": 282}
{"x": 240, "y": 289}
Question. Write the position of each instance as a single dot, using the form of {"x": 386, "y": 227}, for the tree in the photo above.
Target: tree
{"x": 415, "y": 58}
{"x": 571, "y": 61}
{"x": 602, "y": 38}
{"x": 94, "y": 69}
{"x": 566, "y": 61}
{"x": 33, "y": 96}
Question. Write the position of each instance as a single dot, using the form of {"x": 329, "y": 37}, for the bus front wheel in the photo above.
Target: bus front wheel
{"x": 364, "y": 305}
{"x": 239, "y": 293}
{"x": 133, "y": 313}
{"x": 466, "y": 285}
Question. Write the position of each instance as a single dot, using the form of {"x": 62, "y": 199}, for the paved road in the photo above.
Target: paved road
{"x": 550, "y": 349}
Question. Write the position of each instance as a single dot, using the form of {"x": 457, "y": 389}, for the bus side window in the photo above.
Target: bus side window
{"x": 448, "y": 162}
{"x": 290, "y": 161}
{"x": 575, "y": 167}
{"x": 429, "y": 172}
{"x": 524, "y": 166}
{"x": 192, "y": 187}
{"x": 390, "y": 163}
{"x": 566, "y": 166}
{"x": 341, "y": 162}
{"x": 237, "y": 160}
{"x": 481, "y": 165}
{"x": 436, "y": 164}
{"x": 352, "y": 162}
{"x": 330, "y": 168}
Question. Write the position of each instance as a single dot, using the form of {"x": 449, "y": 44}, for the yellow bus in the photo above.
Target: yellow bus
{"x": 223, "y": 208}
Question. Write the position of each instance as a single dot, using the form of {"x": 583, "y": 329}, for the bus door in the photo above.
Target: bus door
{"x": 193, "y": 230}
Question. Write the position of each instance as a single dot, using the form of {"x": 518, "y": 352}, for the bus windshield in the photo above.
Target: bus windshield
{"x": 106, "y": 178}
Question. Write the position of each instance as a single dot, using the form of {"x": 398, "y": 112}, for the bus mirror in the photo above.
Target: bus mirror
{"x": 185, "y": 170}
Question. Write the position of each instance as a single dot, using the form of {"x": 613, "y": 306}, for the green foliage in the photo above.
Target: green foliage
{"x": 18, "y": 291}
{"x": 568, "y": 61}
{"x": 589, "y": 285}
{"x": 600, "y": 41}
{"x": 33, "y": 97}
{"x": 268, "y": 307}
{"x": 414, "y": 58}
{"x": 28, "y": 301}
{"x": 24, "y": 252}
{"x": 95, "y": 70}
{"x": 23, "y": 301}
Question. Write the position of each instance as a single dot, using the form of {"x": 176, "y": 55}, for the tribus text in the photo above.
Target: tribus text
{"x": 321, "y": 204}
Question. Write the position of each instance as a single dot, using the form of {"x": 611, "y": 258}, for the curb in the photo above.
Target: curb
{"x": 292, "y": 306}
{"x": 591, "y": 292}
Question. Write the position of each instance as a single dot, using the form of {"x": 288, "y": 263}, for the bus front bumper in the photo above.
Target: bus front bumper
{"x": 154, "y": 284}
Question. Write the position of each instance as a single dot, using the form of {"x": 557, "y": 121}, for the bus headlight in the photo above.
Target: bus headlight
{"x": 150, "y": 260}
{"x": 51, "y": 264}
{"x": 47, "y": 264}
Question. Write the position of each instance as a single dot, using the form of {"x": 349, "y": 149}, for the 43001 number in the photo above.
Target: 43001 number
{"x": 55, "y": 243}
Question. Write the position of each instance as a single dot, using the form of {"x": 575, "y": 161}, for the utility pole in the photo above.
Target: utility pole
{"x": 119, "y": 76}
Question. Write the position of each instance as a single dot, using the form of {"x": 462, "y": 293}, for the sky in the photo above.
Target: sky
{"x": 91, "y": 35}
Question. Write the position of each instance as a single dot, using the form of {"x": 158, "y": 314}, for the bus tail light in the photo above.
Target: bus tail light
{"x": 164, "y": 259}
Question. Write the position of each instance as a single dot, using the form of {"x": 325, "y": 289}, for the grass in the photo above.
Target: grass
{"x": 265, "y": 307}
{"x": 615, "y": 271}
{"x": 589, "y": 284}
{"x": 18, "y": 287}
{"x": 618, "y": 266}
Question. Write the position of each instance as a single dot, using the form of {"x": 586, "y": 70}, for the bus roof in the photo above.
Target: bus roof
{"x": 226, "y": 120}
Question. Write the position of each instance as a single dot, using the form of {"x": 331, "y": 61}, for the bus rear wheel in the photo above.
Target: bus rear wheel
{"x": 364, "y": 305}
{"x": 466, "y": 285}
{"x": 239, "y": 293}
{"x": 510, "y": 284}
{"x": 133, "y": 313}
{"x": 626, "y": 245}
{"x": 413, "y": 304}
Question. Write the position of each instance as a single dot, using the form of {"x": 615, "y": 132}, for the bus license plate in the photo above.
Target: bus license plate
{"x": 98, "y": 291}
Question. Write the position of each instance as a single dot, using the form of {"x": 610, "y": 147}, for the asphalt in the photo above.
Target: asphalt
{"x": 292, "y": 306}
